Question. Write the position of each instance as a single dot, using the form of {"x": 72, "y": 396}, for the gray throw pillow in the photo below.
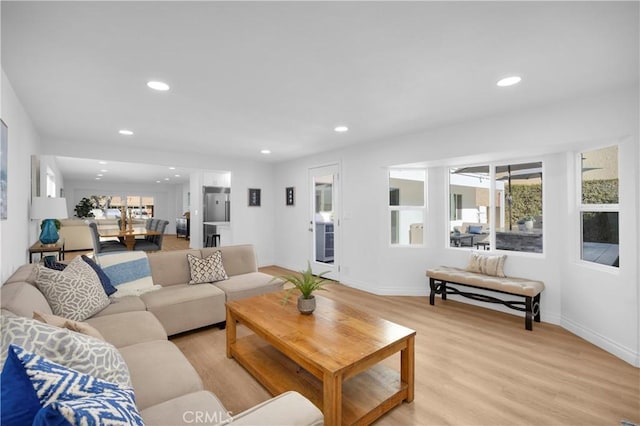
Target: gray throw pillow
{"x": 74, "y": 350}
{"x": 75, "y": 293}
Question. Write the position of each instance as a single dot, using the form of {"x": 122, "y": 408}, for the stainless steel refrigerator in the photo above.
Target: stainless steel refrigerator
{"x": 216, "y": 204}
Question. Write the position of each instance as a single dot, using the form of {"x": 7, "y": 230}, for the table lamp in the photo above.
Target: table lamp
{"x": 48, "y": 209}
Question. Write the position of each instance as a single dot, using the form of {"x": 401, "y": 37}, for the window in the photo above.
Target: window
{"x": 407, "y": 206}
{"x": 503, "y": 202}
{"x": 599, "y": 208}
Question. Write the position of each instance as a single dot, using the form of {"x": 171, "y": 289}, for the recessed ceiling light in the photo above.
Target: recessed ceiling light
{"x": 172, "y": 168}
{"x": 104, "y": 170}
{"x": 341, "y": 129}
{"x": 265, "y": 151}
{"x": 176, "y": 175}
{"x": 166, "y": 179}
{"x": 97, "y": 178}
{"x": 158, "y": 85}
{"x": 102, "y": 162}
{"x": 157, "y": 181}
{"x": 125, "y": 132}
{"x": 509, "y": 81}
{"x": 100, "y": 174}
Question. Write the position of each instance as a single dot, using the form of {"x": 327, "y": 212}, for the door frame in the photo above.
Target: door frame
{"x": 316, "y": 266}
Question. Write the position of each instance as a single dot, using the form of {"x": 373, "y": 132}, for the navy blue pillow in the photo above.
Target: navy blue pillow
{"x": 475, "y": 229}
{"x": 104, "y": 279}
{"x": 18, "y": 398}
{"x": 50, "y": 262}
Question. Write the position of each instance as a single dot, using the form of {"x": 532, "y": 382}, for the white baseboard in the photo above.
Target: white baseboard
{"x": 626, "y": 354}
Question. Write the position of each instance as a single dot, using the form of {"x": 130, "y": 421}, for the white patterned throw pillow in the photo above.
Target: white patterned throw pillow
{"x": 75, "y": 293}
{"x": 207, "y": 270}
{"x": 70, "y": 397}
{"x": 74, "y": 350}
{"x": 486, "y": 264}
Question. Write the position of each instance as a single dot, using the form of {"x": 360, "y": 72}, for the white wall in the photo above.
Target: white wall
{"x": 18, "y": 232}
{"x": 601, "y": 307}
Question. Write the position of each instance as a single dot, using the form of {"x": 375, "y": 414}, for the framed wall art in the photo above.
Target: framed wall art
{"x": 254, "y": 197}
{"x": 290, "y": 196}
{"x": 4, "y": 156}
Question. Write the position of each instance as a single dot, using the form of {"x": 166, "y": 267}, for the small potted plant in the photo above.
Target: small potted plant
{"x": 306, "y": 283}
{"x": 528, "y": 222}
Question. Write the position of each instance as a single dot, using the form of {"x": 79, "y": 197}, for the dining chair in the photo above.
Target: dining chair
{"x": 104, "y": 246}
{"x": 152, "y": 242}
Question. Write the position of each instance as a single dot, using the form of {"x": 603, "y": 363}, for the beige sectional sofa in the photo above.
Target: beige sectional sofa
{"x": 168, "y": 390}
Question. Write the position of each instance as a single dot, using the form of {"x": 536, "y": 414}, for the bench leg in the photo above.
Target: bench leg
{"x": 437, "y": 287}
{"x": 536, "y": 308}
{"x": 528, "y": 313}
{"x": 432, "y": 294}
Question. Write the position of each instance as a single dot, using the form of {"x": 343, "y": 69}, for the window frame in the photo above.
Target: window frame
{"x": 400, "y": 208}
{"x": 594, "y": 208}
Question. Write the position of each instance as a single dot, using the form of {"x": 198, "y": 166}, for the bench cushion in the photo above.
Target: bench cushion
{"x": 521, "y": 286}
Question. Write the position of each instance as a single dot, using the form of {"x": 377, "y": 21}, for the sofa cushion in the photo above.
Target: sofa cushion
{"x": 159, "y": 372}
{"x": 237, "y": 260}
{"x": 129, "y": 328}
{"x": 104, "y": 278}
{"x": 122, "y": 304}
{"x": 486, "y": 264}
{"x": 74, "y": 350}
{"x": 248, "y": 285}
{"x": 129, "y": 272}
{"x": 184, "y": 409}
{"x": 75, "y": 293}
{"x": 26, "y": 273}
{"x": 77, "y": 326}
{"x": 78, "y": 398}
{"x": 171, "y": 267}
{"x": 273, "y": 411}
{"x": 22, "y": 299}
{"x": 207, "y": 270}
{"x": 183, "y": 307}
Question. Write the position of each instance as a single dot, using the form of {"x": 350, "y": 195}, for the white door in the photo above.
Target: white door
{"x": 324, "y": 221}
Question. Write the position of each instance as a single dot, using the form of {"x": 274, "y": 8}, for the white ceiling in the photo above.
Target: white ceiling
{"x": 281, "y": 75}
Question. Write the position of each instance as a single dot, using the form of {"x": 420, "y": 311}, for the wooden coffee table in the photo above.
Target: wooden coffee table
{"x": 332, "y": 356}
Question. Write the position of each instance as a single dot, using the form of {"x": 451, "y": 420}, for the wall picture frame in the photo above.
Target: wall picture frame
{"x": 290, "y": 194}
{"x": 4, "y": 162}
{"x": 254, "y": 197}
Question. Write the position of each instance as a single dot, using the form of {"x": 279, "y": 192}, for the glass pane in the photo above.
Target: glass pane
{"x": 323, "y": 220}
{"x": 407, "y": 226}
{"x": 600, "y": 176}
{"x": 600, "y": 238}
{"x": 469, "y": 206}
{"x": 406, "y": 187}
{"x": 521, "y": 227}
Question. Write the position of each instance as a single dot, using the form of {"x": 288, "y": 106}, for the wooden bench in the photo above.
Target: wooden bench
{"x": 529, "y": 289}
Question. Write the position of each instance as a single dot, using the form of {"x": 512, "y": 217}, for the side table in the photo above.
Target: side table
{"x": 38, "y": 247}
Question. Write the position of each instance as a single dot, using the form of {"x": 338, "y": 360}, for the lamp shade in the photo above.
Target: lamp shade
{"x": 48, "y": 208}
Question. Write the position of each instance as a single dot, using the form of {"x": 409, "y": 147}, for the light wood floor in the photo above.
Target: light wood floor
{"x": 474, "y": 366}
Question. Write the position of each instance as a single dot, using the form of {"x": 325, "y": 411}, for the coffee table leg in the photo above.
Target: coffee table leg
{"x": 332, "y": 399}
{"x": 407, "y": 367}
{"x": 231, "y": 331}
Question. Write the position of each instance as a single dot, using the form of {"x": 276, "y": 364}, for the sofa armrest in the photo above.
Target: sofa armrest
{"x": 287, "y": 409}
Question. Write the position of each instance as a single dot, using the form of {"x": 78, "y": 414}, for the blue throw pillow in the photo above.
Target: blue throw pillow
{"x": 475, "y": 229}
{"x": 50, "y": 262}
{"x": 104, "y": 279}
{"x": 70, "y": 397}
{"x": 18, "y": 399}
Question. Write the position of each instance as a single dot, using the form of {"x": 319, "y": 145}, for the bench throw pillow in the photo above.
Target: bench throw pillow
{"x": 73, "y": 397}
{"x": 77, "y": 326}
{"x": 486, "y": 264}
{"x": 128, "y": 271}
{"x": 207, "y": 270}
{"x": 75, "y": 293}
{"x": 74, "y": 350}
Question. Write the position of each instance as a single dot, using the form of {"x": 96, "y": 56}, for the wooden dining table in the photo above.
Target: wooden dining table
{"x": 128, "y": 235}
